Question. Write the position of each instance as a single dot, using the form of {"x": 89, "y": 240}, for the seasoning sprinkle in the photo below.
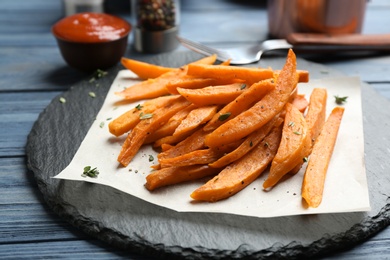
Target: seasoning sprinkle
{"x": 243, "y": 86}
{"x": 88, "y": 172}
{"x": 97, "y": 75}
{"x": 145, "y": 116}
{"x": 340, "y": 100}
{"x": 224, "y": 116}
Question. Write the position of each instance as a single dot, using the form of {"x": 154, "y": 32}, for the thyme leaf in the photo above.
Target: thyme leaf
{"x": 88, "y": 172}
{"x": 224, "y": 116}
{"x": 145, "y": 116}
{"x": 340, "y": 100}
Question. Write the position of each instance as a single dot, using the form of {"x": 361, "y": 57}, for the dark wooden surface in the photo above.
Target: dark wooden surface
{"x": 32, "y": 73}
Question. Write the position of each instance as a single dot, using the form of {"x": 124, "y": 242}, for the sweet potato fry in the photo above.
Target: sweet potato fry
{"x": 316, "y": 112}
{"x": 241, "y": 173}
{"x": 295, "y": 139}
{"x": 249, "y": 75}
{"x": 315, "y": 119}
{"x": 315, "y": 175}
{"x": 195, "y": 118}
{"x": 174, "y": 139}
{"x": 156, "y": 87}
{"x": 303, "y": 75}
{"x": 189, "y": 82}
{"x": 213, "y": 95}
{"x": 263, "y": 111}
{"x": 144, "y": 70}
{"x": 191, "y": 143}
{"x": 169, "y": 128}
{"x": 300, "y": 102}
{"x": 249, "y": 143}
{"x": 148, "y": 124}
{"x": 174, "y": 175}
{"x": 125, "y": 122}
{"x": 151, "y": 88}
{"x": 244, "y": 101}
{"x": 204, "y": 156}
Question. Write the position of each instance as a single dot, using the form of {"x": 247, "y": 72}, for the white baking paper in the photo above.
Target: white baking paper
{"x": 345, "y": 188}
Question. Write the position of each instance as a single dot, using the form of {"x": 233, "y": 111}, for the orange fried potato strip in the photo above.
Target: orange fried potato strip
{"x": 292, "y": 149}
{"x": 262, "y": 112}
{"x": 241, "y": 173}
{"x": 314, "y": 178}
{"x": 148, "y": 124}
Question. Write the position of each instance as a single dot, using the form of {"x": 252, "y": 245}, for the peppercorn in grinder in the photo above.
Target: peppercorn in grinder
{"x": 156, "y": 25}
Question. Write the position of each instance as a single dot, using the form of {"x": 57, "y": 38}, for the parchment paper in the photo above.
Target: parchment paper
{"x": 345, "y": 189}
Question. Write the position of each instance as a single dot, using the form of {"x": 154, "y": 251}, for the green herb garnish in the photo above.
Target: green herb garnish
{"x": 340, "y": 100}
{"x": 92, "y": 94}
{"x": 145, "y": 116}
{"x": 62, "y": 100}
{"x": 297, "y": 133}
{"x": 224, "y": 116}
{"x": 88, "y": 172}
{"x": 139, "y": 107}
{"x": 101, "y": 125}
{"x": 243, "y": 86}
{"x": 151, "y": 158}
{"x": 98, "y": 74}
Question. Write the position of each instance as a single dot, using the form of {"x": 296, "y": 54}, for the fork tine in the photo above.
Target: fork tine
{"x": 205, "y": 50}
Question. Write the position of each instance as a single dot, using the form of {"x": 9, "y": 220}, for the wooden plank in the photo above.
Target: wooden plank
{"x": 73, "y": 249}
{"x": 27, "y": 223}
{"x": 35, "y": 68}
{"x": 18, "y": 112}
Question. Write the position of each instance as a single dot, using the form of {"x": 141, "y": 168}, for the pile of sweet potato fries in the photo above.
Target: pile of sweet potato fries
{"x": 230, "y": 123}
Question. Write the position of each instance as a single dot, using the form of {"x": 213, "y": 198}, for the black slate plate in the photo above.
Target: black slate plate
{"x": 130, "y": 223}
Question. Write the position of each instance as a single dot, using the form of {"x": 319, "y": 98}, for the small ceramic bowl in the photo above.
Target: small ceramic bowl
{"x": 91, "y": 41}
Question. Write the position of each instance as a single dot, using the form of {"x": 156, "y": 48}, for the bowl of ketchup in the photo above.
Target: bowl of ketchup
{"x": 91, "y": 41}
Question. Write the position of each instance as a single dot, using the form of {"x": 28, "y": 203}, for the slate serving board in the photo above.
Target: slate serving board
{"x": 130, "y": 223}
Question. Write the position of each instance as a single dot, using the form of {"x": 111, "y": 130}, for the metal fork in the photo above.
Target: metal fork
{"x": 303, "y": 42}
{"x": 237, "y": 56}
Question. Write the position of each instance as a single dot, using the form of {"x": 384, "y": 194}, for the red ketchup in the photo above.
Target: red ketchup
{"x": 91, "y": 28}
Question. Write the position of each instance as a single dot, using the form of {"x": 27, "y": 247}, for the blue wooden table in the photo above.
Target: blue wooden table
{"x": 32, "y": 73}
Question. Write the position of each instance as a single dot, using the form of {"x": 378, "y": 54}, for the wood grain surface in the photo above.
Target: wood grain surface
{"x": 32, "y": 73}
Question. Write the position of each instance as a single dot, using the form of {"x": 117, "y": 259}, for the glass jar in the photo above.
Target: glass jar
{"x": 156, "y": 25}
